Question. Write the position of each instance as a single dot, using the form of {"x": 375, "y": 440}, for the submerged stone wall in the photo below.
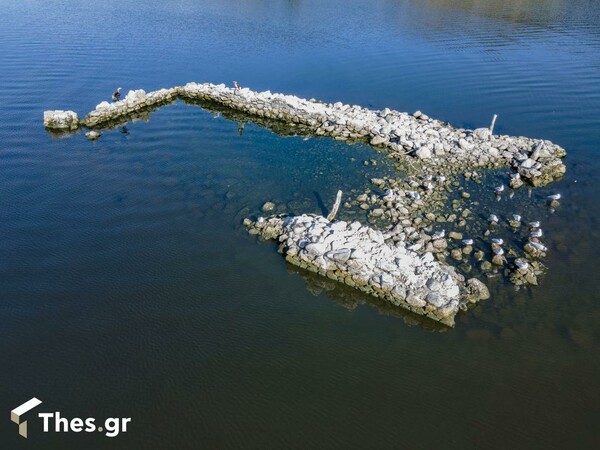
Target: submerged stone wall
{"x": 134, "y": 101}
{"x": 359, "y": 256}
{"x": 436, "y": 144}
{"x": 388, "y": 266}
{"x": 432, "y": 141}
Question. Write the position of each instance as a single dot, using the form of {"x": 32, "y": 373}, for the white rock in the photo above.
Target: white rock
{"x": 423, "y": 153}
{"x": 465, "y": 145}
{"x": 378, "y": 140}
{"x": 482, "y": 133}
{"x": 103, "y": 106}
{"x": 342, "y": 255}
{"x": 61, "y": 120}
{"x": 528, "y": 163}
{"x": 315, "y": 249}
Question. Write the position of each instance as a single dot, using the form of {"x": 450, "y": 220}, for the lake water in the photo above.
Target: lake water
{"x": 130, "y": 289}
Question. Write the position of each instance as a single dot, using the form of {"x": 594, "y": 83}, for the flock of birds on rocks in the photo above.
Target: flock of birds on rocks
{"x": 521, "y": 264}
{"x": 533, "y": 248}
{"x": 409, "y": 205}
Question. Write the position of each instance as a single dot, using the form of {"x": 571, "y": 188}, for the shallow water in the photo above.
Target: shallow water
{"x": 130, "y": 289}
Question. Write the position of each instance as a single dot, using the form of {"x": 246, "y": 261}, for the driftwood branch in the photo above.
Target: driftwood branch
{"x": 493, "y": 123}
{"x": 336, "y": 206}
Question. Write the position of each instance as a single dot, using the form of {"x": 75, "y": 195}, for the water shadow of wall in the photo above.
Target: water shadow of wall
{"x": 350, "y": 299}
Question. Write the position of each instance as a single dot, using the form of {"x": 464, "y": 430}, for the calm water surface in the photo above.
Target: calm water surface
{"x": 129, "y": 288}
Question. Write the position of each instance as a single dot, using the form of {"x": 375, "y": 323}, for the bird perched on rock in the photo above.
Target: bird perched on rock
{"x": 515, "y": 221}
{"x": 553, "y": 201}
{"x": 537, "y": 233}
{"x": 493, "y": 219}
{"x": 236, "y": 85}
{"x": 538, "y": 246}
{"x": 521, "y": 264}
{"x": 438, "y": 234}
{"x": 116, "y": 96}
{"x": 499, "y": 189}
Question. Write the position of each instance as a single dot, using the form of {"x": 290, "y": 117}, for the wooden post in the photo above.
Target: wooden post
{"x": 493, "y": 123}
{"x": 336, "y": 206}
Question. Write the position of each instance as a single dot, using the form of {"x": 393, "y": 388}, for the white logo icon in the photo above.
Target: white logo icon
{"x": 15, "y": 414}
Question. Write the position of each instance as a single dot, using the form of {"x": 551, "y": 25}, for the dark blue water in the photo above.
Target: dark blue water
{"x": 129, "y": 288}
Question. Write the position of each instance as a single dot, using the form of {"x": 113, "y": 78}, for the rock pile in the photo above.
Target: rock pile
{"x": 405, "y": 264}
{"x": 61, "y": 120}
{"x": 436, "y": 144}
{"x": 359, "y": 256}
{"x": 134, "y": 101}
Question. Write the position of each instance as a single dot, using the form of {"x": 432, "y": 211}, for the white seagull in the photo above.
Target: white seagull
{"x": 521, "y": 264}
{"x": 537, "y": 233}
